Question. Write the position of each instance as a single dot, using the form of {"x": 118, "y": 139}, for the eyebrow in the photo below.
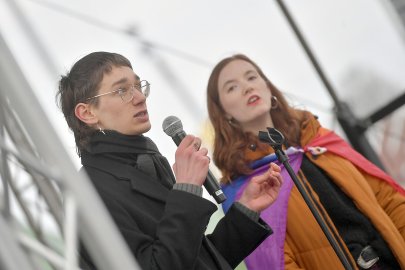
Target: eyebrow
{"x": 124, "y": 80}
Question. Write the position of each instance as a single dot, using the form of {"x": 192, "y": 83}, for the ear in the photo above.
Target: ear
{"x": 84, "y": 113}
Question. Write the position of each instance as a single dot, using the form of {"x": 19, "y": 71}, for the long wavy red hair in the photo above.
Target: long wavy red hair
{"x": 230, "y": 141}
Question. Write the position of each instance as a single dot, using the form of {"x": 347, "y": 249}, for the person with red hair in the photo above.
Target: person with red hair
{"x": 363, "y": 207}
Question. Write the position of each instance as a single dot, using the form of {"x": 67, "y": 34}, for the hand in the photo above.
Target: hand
{"x": 262, "y": 190}
{"x": 191, "y": 161}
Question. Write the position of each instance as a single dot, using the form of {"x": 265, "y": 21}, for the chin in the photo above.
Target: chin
{"x": 145, "y": 128}
{"x": 148, "y": 128}
{"x": 138, "y": 130}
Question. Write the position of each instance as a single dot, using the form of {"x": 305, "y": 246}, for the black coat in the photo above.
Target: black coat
{"x": 165, "y": 228}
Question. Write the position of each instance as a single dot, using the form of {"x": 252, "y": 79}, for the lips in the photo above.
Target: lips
{"x": 253, "y": 99}
{"x": 141, "y": 113}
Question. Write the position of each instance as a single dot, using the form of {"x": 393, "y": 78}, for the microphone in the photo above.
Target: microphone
{"x": 173, "y": 127}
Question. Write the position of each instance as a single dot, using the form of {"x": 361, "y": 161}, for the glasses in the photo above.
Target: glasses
{"x": 127, "y": 93}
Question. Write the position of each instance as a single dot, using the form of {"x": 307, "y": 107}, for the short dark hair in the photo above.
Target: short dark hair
{"x": 81, "y": 82}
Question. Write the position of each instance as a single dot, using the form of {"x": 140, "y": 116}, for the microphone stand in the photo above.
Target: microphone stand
{"x": 275, "y": 139}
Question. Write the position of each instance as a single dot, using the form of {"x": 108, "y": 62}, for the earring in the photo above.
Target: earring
{"x": 101, "y": 130}
{"x": 274, "y": 102}
{"x": 253, "y": 147}
{"x": 231, "y": 122}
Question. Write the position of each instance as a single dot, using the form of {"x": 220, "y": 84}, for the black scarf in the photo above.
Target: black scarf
{"x": 136, "y": 150}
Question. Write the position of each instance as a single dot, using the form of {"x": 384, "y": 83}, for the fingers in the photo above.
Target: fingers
{"x": 277, "y": 179}
{"x": 259, "y": 179}
{"x": 197, "y": 143}
{"x": 272, "y": 176}
{"x": 190, "y": 143}
{"x": 275, "y": 171}
{"x": 191, "y": 161}
{"x": 275, "y": 167}
{"x": 193, "y": 145}
{"x": 186, "y": 142}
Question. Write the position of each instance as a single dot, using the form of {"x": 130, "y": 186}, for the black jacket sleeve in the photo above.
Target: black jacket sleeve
{"x": 236, "y": 235}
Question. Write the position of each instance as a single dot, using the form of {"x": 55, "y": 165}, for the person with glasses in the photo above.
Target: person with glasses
{"x": 162, "y": 217}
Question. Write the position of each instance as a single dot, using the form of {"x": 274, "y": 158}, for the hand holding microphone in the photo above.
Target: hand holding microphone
{"x": 191, "y": 165}
{"x": 194, "y": 161}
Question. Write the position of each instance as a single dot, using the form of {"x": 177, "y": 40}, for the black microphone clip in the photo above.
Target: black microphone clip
{"x": 275, "y": 139}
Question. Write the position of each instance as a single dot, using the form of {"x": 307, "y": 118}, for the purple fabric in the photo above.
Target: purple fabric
{"x": 270, "y": 254}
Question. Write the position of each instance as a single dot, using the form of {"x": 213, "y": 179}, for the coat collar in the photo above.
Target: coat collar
{"x": 140, "y": 181}
{"x": 309, "y": 130}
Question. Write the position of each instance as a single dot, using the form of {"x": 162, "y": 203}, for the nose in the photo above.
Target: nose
{"x": 138, "y": 98}
{"x": 247, "y": 89}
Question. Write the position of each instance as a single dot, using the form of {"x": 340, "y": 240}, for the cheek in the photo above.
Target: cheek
{"x": 117, "y": 113}
{"x": 228, "y": 103}
{"x": 113, "y": 114}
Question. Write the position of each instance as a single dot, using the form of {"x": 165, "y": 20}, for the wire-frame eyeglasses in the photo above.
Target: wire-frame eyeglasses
{"x": 127, "y": 92}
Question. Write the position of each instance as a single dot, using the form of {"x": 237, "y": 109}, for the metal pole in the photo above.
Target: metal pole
{"x": 98, "y": 232}
{"x": 345, "y": 116}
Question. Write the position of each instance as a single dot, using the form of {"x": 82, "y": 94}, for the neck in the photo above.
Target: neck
{"x": 260, "y": 124}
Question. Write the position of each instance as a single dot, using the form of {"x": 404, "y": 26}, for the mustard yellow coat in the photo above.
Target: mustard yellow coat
{"x": 306, "y": 246}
